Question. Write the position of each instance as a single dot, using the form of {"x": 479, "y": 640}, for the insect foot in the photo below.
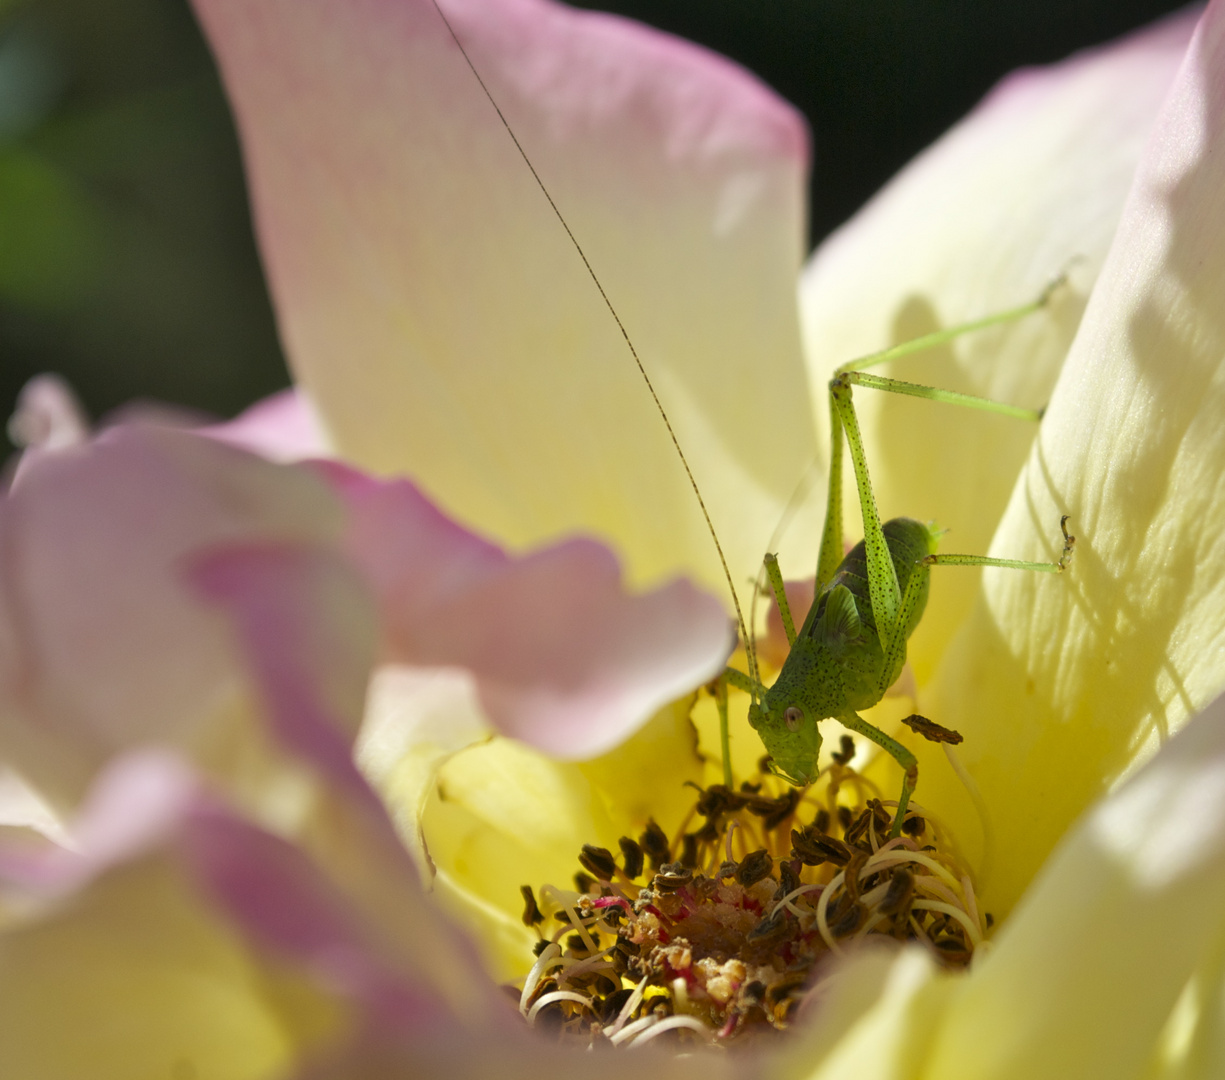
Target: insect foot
{"x": 710, "y": 937}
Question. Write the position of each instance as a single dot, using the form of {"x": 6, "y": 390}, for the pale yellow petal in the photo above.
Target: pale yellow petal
{"x": 1061, "y": 684}
{"x": 1085, "y": 977}
{"x": 434, "y": 307}
{"x": 873, "y": 1018}
{"x": 499, "y": 815}
{"x": 135, "y": 979}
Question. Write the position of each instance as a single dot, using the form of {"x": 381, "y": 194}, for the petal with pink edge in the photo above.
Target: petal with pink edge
{"x": 564, "y": 658}
{"x": 437, "y": 312}
{"x": 283, "y": 427}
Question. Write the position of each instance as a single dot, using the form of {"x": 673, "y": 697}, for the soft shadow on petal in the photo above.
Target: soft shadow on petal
{"x": 436, "y": 311}
{"x": 1029, "y": 184}
{"x": 1061, "y": 684}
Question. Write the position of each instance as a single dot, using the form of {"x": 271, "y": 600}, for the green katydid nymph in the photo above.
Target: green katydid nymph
{"x": 851, "y": 646}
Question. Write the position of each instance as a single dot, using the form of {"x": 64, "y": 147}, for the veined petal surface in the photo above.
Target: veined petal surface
{"x": 1062, "y": 684}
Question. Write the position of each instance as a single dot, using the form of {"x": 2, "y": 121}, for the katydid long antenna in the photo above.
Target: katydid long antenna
{"x": 740, "y": 621}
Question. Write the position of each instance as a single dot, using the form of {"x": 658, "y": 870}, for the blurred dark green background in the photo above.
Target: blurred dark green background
{"x": 126, "y": 258}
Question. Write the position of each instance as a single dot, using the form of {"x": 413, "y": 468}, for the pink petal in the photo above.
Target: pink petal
{"x": 563, "y": 656}
{"x": 283, "y": 427}
{"x": 101, "y": 645}
{"x": 136, "y": 804}
{"x": 399, "y": 966}
{"x": 306, "y": 633}
{"x": 436, "y": 311}
{"x": 48, "y": 415}
{"x": 302, "y": 620}
{"x": 271, "y": 890}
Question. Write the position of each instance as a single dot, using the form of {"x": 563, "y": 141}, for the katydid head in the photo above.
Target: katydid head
{"x": 790, "y": 734}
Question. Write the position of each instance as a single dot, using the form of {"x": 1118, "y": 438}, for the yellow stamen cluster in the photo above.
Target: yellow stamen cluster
{"x": 713, "y": 935}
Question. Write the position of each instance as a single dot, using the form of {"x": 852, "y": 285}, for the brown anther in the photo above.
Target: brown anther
{"x": 753, "y": 992}
{"x": 689, "y": 851}
{"x": 848, "y": 921}
{"x": 718, "y": 799}
{"x": 540, "y": 946}
{"x": 672, "y": 876}
{"x": 813, "y": 848}
{"x": 655, "y": 843}
{"x": 858, "y": 829}
{"x": 786, "y": 987}
{"x": 914, "y": 825}
{"x": 845, "y": 817}
{"x": 753, "y": 868}
{"x": 899, "y": 894}
{"x": 727, "y": 869}
{"x": 598, "y": 861}
{"x": 783, "y": 1011}
{"x": 786, "y": 804}
{"x": 821, "y": 821}
{"x": 609, "y": 1008}
{"x": 931, "y": 731}
{"x": 844, "y": 756}
{"x": 769, "y": 929}
{"x": 884, "y": 819}
{"x": 788, "y": 879}
{"x": 531, "y": 913}
{"x": 850, "y": 879}
{"x": 953, "y": 951}
{"x": 583, "y": 882}
{"x": 631, "y": 857}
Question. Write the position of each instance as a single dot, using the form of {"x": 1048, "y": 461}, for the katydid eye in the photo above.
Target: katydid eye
{"x": 792, "y": 718}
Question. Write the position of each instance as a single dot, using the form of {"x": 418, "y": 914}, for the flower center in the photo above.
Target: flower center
{"x": 712, "y": 935}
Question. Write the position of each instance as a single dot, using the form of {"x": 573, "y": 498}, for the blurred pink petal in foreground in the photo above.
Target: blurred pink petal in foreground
{"x": 106, "y": 646}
